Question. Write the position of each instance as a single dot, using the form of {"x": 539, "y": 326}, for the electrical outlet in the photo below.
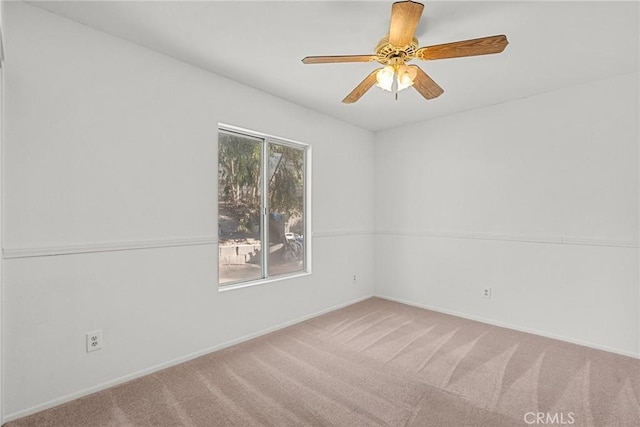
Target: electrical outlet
{"x": 354, "y": 279}
{"x": 486, "y": 293}
{"x": 94, "y": 341}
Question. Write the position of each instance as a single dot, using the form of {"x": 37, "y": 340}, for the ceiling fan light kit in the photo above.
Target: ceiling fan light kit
{"x": 401, "y": 76}
{"x": 401, "y": 46}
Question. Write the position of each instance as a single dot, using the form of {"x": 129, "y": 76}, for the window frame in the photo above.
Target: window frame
{"x": 264, "y": 216}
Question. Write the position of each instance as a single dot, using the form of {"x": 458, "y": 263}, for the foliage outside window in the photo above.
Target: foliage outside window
{"x": 261, "y": 207}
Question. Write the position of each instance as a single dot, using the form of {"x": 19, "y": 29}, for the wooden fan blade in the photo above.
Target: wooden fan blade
{"x": 425, "y": 85}
{"x": 362, "y": 88}
{"x": 338, "y": 58}
{"x": 481, "y": 46}
{"x": 405, "y": 16}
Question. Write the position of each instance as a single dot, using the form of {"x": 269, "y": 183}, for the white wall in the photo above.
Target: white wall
{"x": 536, "y": 198}
{"x": 1, "y": 194}
{"x": 109, "y": 143}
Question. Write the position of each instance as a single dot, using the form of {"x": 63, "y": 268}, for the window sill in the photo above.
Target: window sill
{"x": 230, "y": 287}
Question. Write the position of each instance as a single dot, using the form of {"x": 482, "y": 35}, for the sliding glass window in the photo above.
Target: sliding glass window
{"x": 262, "y": 207}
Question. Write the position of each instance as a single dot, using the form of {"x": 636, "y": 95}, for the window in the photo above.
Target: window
{"x": 262, "y": 207}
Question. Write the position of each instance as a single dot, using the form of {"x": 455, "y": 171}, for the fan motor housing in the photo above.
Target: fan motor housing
{"x": 388, "y": 53}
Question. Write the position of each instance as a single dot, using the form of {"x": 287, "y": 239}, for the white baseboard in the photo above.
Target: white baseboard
{"x": 10, "y": 253}
{"x": 512, "y": 237}
{"x": 134, "y": 375}
{"x": 87, "y": 248}
{"x": 342, "y": 233}
{"x": 511, "y": 326}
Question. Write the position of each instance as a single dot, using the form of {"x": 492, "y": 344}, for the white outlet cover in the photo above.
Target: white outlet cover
{"x": 94, "y": 341}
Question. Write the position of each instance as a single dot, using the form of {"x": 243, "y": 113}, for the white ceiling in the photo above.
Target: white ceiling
{"x": 551, "y": 45}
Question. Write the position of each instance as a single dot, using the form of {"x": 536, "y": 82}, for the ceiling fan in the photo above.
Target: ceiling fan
{"x": 400, "y": 46}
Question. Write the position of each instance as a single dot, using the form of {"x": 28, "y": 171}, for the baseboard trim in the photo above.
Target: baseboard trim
{"x": 10, "y": 253}
{"x": 134, "y": 375}
{"x": 512, "y": 326}
{"x": 342, "y": 233}
{"x": 552, "y": 240}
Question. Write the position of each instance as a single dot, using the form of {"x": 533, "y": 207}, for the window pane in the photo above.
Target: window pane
{"x": 286, "y": 209}
{"x": 239, "y": 208}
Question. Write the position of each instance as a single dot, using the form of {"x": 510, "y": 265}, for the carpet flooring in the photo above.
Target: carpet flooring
{"x": 375, "y": 363}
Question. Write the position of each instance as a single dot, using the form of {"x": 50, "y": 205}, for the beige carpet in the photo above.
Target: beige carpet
{"x": 375, "y": 363}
